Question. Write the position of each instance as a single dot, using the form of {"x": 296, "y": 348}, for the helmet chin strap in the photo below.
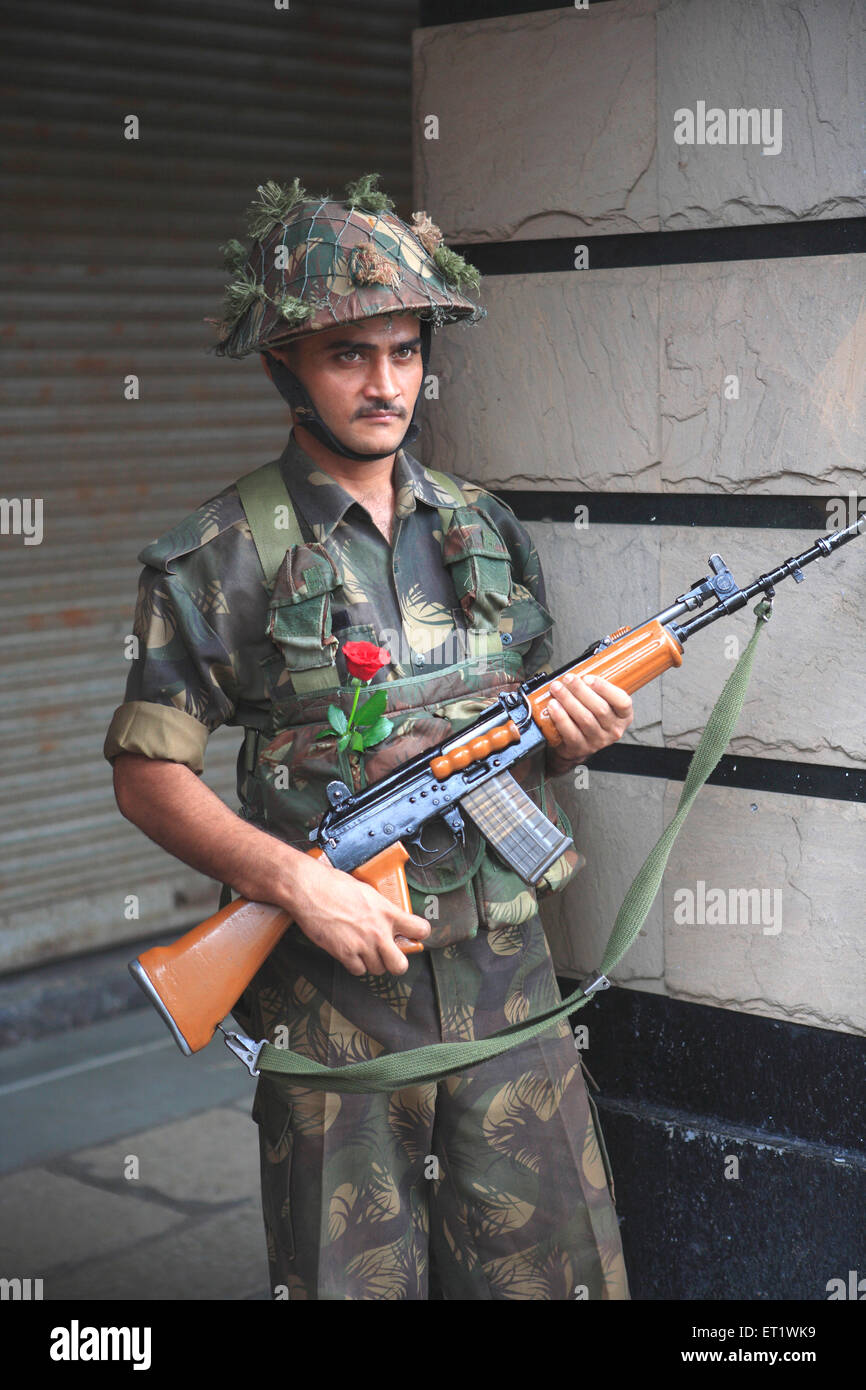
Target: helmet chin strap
{"x": 295, "y": 394}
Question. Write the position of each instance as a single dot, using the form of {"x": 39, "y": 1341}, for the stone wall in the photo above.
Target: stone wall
{"x": 723, "y": 377}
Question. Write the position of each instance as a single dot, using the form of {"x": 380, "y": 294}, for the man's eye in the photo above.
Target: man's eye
{"x": 405, "y": 352}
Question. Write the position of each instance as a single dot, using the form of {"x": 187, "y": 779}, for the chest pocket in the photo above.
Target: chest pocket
{"x": 478, "y": 561}
{"x": 299, "y": 617}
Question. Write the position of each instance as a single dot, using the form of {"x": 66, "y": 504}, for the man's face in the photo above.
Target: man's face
{"x": 363, "y": 378}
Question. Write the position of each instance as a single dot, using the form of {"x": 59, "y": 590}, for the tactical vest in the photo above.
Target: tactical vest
{"x": 287, "y": 766}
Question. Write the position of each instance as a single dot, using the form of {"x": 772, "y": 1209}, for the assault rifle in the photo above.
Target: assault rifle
{"x": 196, "y": 981}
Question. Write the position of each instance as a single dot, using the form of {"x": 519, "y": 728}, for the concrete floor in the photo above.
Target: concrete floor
{"x": 128, "y": 1171}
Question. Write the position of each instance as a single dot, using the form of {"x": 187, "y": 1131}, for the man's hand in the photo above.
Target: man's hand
{"x": 351, "y": 921}
{"x": 348, "y": 919}
{"x": 590, "y": 714}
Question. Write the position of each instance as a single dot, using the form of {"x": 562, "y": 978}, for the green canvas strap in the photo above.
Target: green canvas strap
{"x": 431, "y": 1063}
{"x": 263, "y": 494}
{"x": 446, "y": 484}
{"x": 263, "y": 491}
{"x": 265, "y": 499}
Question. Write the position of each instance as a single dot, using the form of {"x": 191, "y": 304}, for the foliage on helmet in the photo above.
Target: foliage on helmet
{"x": 363, "y": 194}
{"x": 273, "y": 204}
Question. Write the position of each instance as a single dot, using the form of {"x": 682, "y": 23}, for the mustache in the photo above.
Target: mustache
{"x": 382, "y": 410}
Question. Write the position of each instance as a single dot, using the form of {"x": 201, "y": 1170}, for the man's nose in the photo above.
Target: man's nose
{"x": 382, "y": 380}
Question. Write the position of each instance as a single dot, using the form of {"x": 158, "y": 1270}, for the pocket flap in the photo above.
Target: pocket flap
{"x": 306, "y": 572}
{"x": 525, "y": 618}
{"x": 299, "y": 613}
{"x": 480, "y": 567}
{"x": 471, "y": 533}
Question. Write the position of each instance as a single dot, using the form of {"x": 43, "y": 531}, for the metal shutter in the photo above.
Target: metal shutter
{"x": 110, "y": 264}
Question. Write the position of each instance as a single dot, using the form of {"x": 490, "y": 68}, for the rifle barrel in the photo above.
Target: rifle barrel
{"x": 824, "y": 545}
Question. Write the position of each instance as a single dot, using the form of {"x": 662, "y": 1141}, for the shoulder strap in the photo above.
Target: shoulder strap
{"x": 263, "y": 490}
{"x": 262, "y": 493}
{"x": 446, "y": 514}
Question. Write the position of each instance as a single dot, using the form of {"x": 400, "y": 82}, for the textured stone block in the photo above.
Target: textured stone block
{"x": 805, "y": 58}
{"x": 616, "y": 821}
{"x": 804, "y": 700}
{"x": 556, "y": 387}
{"x": 800, "y": 957}
{"x": 793, "y": 333}
{"x": 590, "y": 592}
{"x": 546, "y": 123}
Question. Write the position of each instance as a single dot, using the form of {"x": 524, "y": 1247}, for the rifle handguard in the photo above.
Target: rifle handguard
{"x": 634, "y": 659}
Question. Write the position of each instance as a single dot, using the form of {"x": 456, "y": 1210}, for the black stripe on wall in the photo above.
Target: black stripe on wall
{"x": 434, "y": 12}
{"x": 712, "y": 509}
{"x": 754, "y": 774}
{"x": 840, "y": 236}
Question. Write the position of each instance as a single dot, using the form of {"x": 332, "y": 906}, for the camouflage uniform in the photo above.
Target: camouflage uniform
{"x": 499, "y": 1166}
{"x": 489, "y": 1184}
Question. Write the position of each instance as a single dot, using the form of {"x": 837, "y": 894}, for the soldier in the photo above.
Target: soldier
{"x": 489, "y": 1184}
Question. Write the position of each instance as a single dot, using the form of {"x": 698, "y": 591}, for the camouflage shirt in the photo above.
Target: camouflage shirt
{"x": 204, "y": 656}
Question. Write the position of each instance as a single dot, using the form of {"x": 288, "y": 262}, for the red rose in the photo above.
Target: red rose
{"x": 364, "y": 660}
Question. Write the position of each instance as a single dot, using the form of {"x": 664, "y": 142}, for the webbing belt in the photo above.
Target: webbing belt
{"x": 437, "y": 1060}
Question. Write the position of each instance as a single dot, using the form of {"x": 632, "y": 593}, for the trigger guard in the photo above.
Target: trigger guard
{"x": 418, "y": 842}
{"x": 454, "y": 821}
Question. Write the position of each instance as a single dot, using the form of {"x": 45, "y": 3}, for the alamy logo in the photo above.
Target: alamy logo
{"x": 855, "y": 1288}
{"x": 76, "y": 1343}
{"x": 20, "y": 1290}
{"x": 22, "y": 516}
{"x": 716, "y": 907}
{"x": 737, "y": 126}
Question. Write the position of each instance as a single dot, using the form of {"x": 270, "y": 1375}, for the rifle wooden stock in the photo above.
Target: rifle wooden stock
{"x": 197, "y": 980}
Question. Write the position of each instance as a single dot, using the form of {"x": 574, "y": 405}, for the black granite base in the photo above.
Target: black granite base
{"x": 737, "y": 1149}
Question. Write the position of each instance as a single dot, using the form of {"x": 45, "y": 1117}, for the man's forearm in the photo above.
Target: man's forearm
{"x": 171, "y": 805}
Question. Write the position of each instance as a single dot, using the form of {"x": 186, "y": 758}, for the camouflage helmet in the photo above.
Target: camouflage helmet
{"x": 315, "y": 263}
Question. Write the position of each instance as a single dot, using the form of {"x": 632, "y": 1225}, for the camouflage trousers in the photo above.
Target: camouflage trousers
{"x": 489, "y": 1184}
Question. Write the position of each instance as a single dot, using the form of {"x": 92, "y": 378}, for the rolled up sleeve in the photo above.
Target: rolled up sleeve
{"x": 157, "y": 731}
{"x": 181, "y": 685}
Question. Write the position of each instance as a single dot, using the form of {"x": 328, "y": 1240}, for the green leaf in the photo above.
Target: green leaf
{"x": 337, "y": 719}
{"x": 343, "y": 742}
{"x": 357, "y": 740}
{"x": 372, "y": 709}
{"x": 381, "y": 729}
